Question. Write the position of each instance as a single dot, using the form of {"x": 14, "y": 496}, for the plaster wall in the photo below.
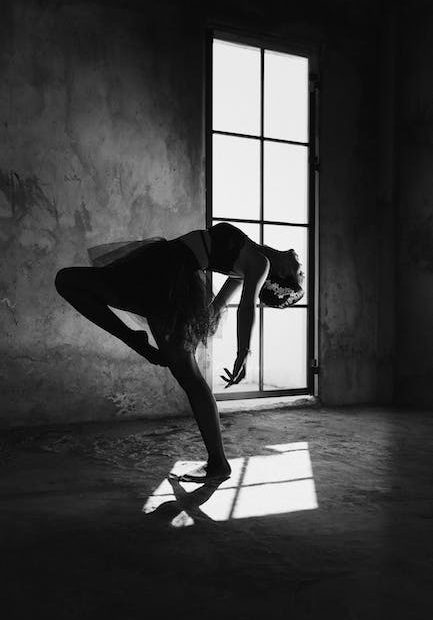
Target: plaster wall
{"x": 101, "y": 121}
{"x": 101, "y": 135}
{"x": 415, "y": 209}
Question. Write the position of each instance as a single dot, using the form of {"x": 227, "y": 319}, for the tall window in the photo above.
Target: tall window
{"x": 261, "y": 179}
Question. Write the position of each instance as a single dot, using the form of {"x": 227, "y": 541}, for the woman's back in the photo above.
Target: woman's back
{"x": 217, "y": 248}
{"x": 227, "y": 242}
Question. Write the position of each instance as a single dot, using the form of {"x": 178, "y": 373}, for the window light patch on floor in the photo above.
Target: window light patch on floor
{"x": 260, "y": 485}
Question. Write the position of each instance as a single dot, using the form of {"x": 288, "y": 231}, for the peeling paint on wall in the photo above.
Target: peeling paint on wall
{"x": 83, "y": 218}
{"x": 11, "y": 307}
{"x": 128, "y": 404}
{"x": 25, "y": 193}
{"x": 101, "y": 140}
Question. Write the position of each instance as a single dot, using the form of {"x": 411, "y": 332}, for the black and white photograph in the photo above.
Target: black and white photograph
{"x": 216, "y": 309}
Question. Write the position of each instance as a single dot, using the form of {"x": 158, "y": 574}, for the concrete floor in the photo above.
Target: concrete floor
{"x": 77, "y": 544}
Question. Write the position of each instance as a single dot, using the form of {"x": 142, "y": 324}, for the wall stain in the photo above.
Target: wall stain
{"x": 24, "y": 193}
{"x": 128, "y": 404}
{"x": 82, "y": 218}
{"x": 11, "y": 307}
{"x": 70, "y": 178}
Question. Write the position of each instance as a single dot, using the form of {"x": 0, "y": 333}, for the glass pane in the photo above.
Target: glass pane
{"x": 236, "y": 88}
{"x": 236, "y": 177}
{"x": 218, "y": 279}
{"x": 286, "y": 182}
{"x": 286, "y": 238}
{"x": 224, "y": 347}
{"x": 286, "y": 97}
{"x": 285, "y": 348}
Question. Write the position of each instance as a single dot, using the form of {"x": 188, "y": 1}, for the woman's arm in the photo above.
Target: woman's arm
{"x": 255, "y": 275}
{"x": 226, "y": 292}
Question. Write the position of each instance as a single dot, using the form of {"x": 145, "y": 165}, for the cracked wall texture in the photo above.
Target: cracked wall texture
{"x": 102, "y": 133}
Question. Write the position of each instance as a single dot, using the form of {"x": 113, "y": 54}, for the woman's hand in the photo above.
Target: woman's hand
{"x": 239, "y": 370}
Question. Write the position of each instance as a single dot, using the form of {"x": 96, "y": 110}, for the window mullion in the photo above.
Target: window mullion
{"x": 262, "y": 98}
{"x": 240, "y": 138}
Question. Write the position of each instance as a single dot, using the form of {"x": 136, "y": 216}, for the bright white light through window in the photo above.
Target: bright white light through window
{"x": 236, "y": 88}
{"x": 236, "y": 177}
{"x": 284, "y": 351}
{"x": 261, "y": 485}
{"x": 286, "y": 97}
{"x": 224, "y": 347}
{"x": 286, "y": 182}
{"x": 260, "y": 172}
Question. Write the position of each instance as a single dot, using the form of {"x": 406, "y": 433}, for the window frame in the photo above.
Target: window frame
{"x": 311, "y": 52}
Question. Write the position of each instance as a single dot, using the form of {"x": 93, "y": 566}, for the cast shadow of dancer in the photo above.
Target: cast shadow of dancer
{"x": 184, "y": 502}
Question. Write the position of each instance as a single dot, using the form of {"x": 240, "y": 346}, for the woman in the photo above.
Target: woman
{"x": 163, "y": 281}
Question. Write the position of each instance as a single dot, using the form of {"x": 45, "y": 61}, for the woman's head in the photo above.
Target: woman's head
{"x": 283, "y": 286}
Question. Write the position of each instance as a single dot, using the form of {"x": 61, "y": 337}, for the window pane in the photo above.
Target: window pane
{"x": 285, "y": 238}
{"x": 218, "y": 279}
{"x": 224, "y": 347}
{"x": 286, "y": 97}
{"x": 236, "y": 88}
{"x": 285, "y": 348}
{"x": 286, "y": 182}
{"x": 236, "y": 177}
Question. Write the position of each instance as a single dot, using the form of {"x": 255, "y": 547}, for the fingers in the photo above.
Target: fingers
{"x": 241, "y": 375}
{"x": 228, "y": 381}
{"x": 226, "y": 370}
{"x": 233, "y": 378}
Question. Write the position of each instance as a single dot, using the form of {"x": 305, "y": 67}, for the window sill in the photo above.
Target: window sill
{"x": 262, "y": 404}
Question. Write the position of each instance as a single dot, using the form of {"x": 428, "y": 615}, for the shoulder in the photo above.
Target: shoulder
{"x": 225, "y": 228}
{"x": 253, "y": 263}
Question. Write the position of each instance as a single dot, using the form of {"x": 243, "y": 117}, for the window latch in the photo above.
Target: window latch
{"x": 314, "y": 364}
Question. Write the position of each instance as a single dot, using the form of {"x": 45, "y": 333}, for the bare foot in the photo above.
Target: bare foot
{"x": 140, "y": 343}
{"x": 207, "y": 473}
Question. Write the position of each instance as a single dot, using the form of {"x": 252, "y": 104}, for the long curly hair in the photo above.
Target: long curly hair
{"x": 282, "y": 292}
{"x": 190, "y": 316}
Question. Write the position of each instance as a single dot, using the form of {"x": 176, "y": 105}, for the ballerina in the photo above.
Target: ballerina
{"x": 163, "y": 281}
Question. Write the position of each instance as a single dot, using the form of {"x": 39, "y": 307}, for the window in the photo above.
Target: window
{"x": 262, "y": 177}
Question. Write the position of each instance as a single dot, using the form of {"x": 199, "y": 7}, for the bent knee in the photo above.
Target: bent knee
{"x": 63, "y": 280}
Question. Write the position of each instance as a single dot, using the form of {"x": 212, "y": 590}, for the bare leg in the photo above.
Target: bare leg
{"x": 86, "y": 291}
{"x": 184, "y": 367}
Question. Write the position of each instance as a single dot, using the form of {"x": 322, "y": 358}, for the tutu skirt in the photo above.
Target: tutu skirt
{"x": 159, "y": 278}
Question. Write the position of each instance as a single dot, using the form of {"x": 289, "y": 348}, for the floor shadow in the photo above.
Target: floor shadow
{"x": 185, "y": 508}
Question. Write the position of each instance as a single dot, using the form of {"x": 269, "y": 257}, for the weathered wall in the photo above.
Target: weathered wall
{"x": 348, "y": 300}
{"x": 356, "y": 215}
{"x": 415, "y": 209}
{"x": 102, "y": 138}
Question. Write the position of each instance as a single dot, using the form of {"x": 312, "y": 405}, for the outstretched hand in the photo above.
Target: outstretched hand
{"x": 238, "y": 373}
